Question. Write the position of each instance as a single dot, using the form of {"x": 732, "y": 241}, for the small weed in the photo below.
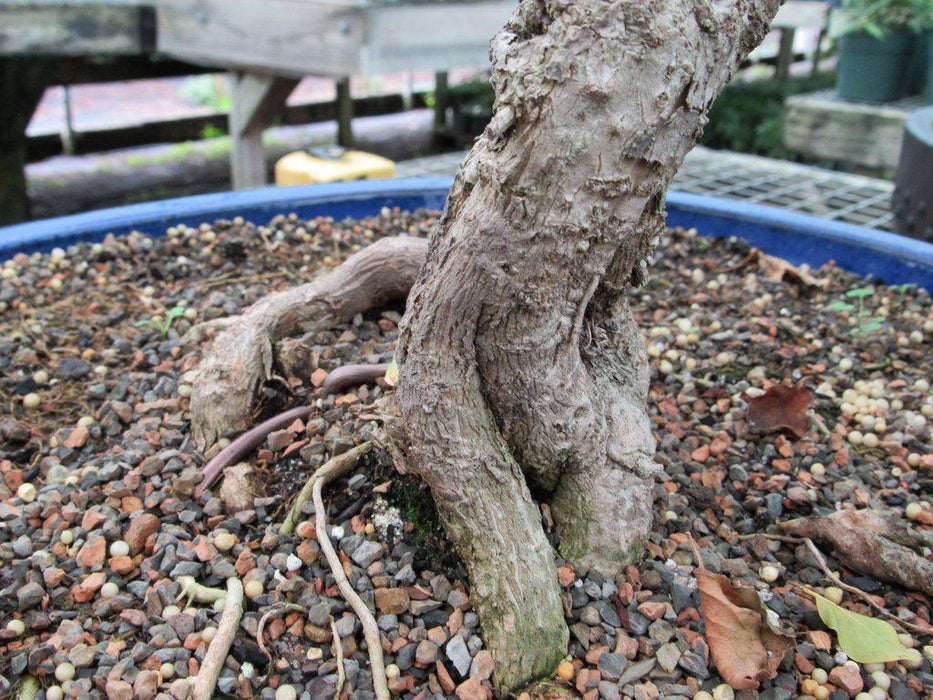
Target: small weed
{"x": 868, "y": 323}
{"x": 163, "y": 324}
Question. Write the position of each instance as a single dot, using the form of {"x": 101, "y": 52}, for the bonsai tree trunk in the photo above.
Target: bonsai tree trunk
{"x": 521, "y": 367}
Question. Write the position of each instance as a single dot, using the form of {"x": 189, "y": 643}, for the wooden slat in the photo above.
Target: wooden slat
{"x": 54, "y": 29}
{"x": 858, "y": 134}
{"x": 291, "y": 37}
{"x": 433, "y": 37}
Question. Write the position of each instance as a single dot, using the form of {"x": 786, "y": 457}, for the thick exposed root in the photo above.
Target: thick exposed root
{"x": 242, "y": 357}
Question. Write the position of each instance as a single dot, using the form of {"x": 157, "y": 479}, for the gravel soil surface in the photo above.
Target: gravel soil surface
{"x": 98, "y": 523}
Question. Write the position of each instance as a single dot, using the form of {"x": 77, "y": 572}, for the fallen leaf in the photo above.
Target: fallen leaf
{"x": 780, "y": 407}
{"x": 780, "y": 270}
{"x": 745, "y": 647}
{"x": 866, "y": 640}
{"x": 391, "y": 377}
{"x": 873, "y": 543}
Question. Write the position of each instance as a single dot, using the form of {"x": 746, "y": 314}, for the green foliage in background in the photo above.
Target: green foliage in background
{"x": 882, "y": 17}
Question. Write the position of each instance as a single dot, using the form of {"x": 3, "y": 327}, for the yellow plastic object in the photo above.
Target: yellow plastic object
{"x": 331, "y": 164}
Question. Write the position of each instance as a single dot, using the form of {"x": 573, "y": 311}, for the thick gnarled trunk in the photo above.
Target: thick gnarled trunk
{"x": 520, "y": 362}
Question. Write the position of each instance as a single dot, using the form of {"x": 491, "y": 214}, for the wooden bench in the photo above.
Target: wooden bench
{"x": 794, "y": 15}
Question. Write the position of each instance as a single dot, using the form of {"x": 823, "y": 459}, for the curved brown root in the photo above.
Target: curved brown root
{"x": 242, "y": 357}
{"x": 351, "y": 375}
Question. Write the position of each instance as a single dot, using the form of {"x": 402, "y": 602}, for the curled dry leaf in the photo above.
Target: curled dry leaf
{"x": 780, "y": 408}
{"x": 780, "y": 270}
{"x": 744, "y": 645}
{"x": 871, "y": 543}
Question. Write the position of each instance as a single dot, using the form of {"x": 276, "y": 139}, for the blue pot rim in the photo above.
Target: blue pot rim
{"x": 799, "y": 238}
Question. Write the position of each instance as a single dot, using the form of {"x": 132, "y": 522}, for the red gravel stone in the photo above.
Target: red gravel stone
{"x": 139, "y": 530}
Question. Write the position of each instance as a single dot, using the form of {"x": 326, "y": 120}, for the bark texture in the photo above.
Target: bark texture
{"x": 243, "y": 356}
{"x": 520, "y": 361}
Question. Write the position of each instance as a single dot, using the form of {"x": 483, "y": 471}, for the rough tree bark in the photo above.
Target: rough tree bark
{"x": 519, "y": 357}
{"x": 521, "y": 366}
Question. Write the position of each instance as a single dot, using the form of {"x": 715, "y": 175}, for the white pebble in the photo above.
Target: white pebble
{"x": 337, "y": 533}
{"x": 167, "y": 671}
{"x": 26, "y": 492}
{"x": 17, "y": 627}
{"x": 224, "y": 541}
{"x": 864, "y": 696}
{"x": 881, "y": 680}
{"x": 819, "y": 675}
{"x": 293, "y": 563}
{"x": 170, "y": 611}
{"x": 208, "y": 634}
{"x": 877, "y": 693}
{"x": 702, "y": 695}
{"x": 119, "y": 548}
{"x": 833, "y": 594}
{"x": 768, "y": 573}
{"x": 31, "y": 401}
{"x": 64, "y": 672}
{"x": 253, "y": 588}
{"x": 915, "y": 660}
{"x": 913, "y": 510}
{"x": 54, "y": 692}
{"x": 109, "y": 590}
{"x": 40, "y": 377}
{"x": 840, "y": 658}
{"x": 723, "y": 691}
{"x": 286, "y": 692}
{"x": 67, "y": 537}
{"x": 845, "y": 364}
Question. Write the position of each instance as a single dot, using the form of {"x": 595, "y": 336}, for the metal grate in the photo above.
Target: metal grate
{"x": 852, "y": 199}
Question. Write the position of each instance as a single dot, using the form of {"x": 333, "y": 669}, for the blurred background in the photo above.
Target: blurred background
{"x": 107, "y": 102}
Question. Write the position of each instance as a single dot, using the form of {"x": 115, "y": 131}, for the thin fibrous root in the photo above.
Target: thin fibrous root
{"x": 858, "y": 592}
{"x": 206, "y": 680}
{"x": 338, "y": 652}
{"x": 276, "y": 610}
{"x": 331, "y": 469}
{"x": 370, "y": 629}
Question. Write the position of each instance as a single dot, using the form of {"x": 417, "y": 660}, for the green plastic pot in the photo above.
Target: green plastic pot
{"x": 873, "y": 70}
{"x": 930, "y": 68}
{"x": 916, "y": 77}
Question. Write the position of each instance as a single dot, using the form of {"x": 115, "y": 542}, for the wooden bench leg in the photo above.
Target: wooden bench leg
{"x": 22, "y": 83}
{"x": 785, "y": 55}
{"x": 256, "y": 100}
{"x": 344, "y": 113}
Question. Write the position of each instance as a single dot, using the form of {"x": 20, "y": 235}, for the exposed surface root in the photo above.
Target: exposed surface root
{"x": 370, "y": 629}
{"x": 243, "y": 357}
{"x": 331, "y": 469}
{"x": 870, "y": 544}
{"x": 206, "y": 680}
{"x": 244, "y": 444}
{"x": 351, "y": 375}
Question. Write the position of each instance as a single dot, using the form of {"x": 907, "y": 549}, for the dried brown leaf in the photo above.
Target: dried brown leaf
{"x": 780, "y": 408}
{"x": 871, "y": 543}
{"x": 745, "y": 648}
{"x": 780, "y": 270}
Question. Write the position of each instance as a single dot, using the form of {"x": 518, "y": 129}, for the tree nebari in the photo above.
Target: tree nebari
{"x": 520, "y": 365}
